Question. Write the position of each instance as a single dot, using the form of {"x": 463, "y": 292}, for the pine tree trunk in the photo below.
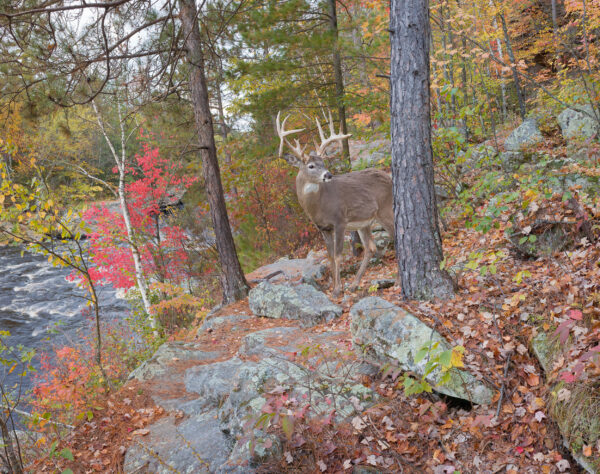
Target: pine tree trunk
{"x": 418, "y": 240}
{"x": 233, "y": 281}
{"x": 339, "y": 79}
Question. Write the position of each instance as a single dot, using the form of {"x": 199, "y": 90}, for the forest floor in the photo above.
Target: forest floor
{"x": 492, "y": 316}
{"x": 504, "y": 299}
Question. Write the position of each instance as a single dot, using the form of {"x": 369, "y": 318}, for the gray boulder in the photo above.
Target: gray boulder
{"x": 575, "y": 124}
{"x": 302, "y": 302}
{"x": 526, "y": 134}
{"x": 387, "y": 333}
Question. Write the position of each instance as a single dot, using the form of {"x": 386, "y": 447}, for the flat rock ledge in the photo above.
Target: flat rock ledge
{"x": 302, "y": 302}
{"x": 213, "y": 401}
{"x": 386, "y": 333}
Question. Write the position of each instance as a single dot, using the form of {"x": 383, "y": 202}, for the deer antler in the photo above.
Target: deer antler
{"x": 325, "y": 142}
{"x": 298, "y": 150}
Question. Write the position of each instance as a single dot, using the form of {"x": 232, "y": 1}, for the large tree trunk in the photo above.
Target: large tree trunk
{"x": 339, "y": 79}
{"x": 418, "y": 240}
{"x": 233, "y": 281}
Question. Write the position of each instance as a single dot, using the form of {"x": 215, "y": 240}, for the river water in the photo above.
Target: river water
{"x": 41, "y": 308}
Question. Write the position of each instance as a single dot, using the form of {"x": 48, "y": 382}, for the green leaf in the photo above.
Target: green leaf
{"x": 421, "y": 354}
{"x": 446, "y": 358}
{"x": 67, "y": 454}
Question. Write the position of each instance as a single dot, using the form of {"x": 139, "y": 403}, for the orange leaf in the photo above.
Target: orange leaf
{"x": 533, "y": 380}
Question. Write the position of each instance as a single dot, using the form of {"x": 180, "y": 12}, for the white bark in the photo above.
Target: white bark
{"x": 120, "y": 161}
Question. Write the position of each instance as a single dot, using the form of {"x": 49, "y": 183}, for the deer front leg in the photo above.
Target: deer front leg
{"x": 328, "y": 238}
{"x": 338, "y": 247}
{"x": 369, "y": 249}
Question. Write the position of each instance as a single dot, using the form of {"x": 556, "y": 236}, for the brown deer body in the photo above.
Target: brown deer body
{"x": 340, "y": 204}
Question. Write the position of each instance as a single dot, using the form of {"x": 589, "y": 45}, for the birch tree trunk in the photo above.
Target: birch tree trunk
{"x": 120, "y": 161}
{"x": 418, "y": 240}
{"x": 233, "y": 281}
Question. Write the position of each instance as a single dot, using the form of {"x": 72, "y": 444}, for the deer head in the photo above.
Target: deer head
{"x": 310, "y": 165}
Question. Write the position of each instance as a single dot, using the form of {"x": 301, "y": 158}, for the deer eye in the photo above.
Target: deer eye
{"x": 311, "y": 166}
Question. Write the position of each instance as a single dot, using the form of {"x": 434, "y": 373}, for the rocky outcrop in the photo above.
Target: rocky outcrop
{"x": 302, "y": 302}
{"x": 386, "y": 333}
{"x": 576, "y": 124}
{"x": 214, "y": 402}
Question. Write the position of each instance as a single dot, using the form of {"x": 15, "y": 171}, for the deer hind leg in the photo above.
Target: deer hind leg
{"x": 386, "y": 219}
{"x": 370, "y": 248}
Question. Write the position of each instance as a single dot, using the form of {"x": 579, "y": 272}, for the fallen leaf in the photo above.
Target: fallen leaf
{"x": 358, "y": 423}
{"x": 563, "y": 394}
{"x": 533, "y": 380}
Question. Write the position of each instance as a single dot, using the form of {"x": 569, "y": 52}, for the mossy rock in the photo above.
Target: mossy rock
{"x": 577, "y": 415}
{"x": 544, "y": 239}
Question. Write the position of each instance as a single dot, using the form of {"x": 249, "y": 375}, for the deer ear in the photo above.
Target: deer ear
{"x": 292, "y": 160}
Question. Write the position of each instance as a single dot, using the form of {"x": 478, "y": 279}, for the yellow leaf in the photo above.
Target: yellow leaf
{"x": 456, "y": 359}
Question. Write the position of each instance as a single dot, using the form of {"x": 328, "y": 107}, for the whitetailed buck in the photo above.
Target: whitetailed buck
{"x": 336, "y": 204}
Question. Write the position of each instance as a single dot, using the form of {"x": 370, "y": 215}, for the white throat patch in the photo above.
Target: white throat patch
{"x": 310, "y": 188}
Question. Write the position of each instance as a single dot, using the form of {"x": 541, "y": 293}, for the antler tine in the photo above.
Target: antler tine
{"x": 282, "y": 132}
{"x": 299, "y": 148}
{"x": 321, "y": 134}
{"x": 325, "y": 142}
{"x": 331, "y": 125}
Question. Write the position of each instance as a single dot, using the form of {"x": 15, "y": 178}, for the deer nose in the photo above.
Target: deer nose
{"x": 327, "y": 176}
